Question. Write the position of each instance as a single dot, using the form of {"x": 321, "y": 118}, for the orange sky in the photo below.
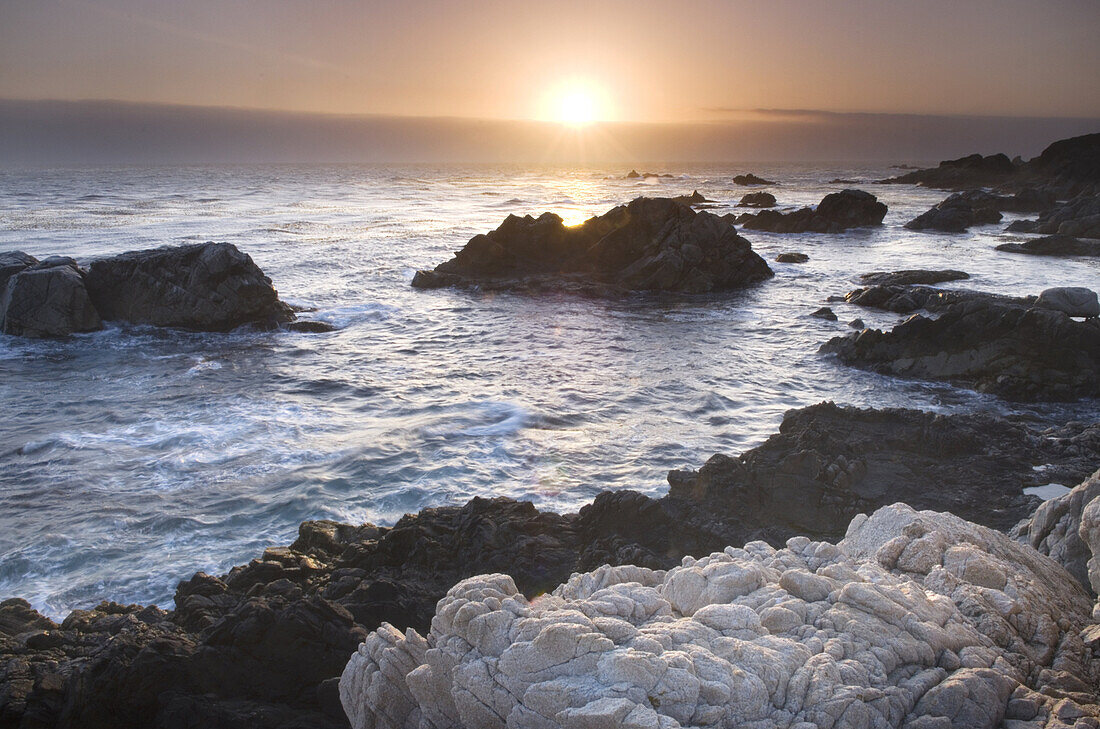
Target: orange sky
{"x": 641, "y": 60}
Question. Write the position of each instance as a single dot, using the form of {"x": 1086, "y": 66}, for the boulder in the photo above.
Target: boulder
{"x": 824, "y": 313}
{"x": 201, "y": 286}
{"x": 651, "y": 244}
{"x": 904, "y": 299}
{"x": 758, "y": 200}
{"x": 1072, "y": 300}
{"x": 837, "y": 212}
{"x": 792, "y": 258}
{"x": 750, "y": 179}
{"x": 45, "y": 299}
{"x": 911, "y": 620}
{"x": 12, "y": 263}
{"x": 1054, "y": 245}
{"x": 911, "y": 276}
{"x": 1015, "y": 352}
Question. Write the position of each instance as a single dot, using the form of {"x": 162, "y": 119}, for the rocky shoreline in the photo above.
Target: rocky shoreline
{"x": 264, "y": 645}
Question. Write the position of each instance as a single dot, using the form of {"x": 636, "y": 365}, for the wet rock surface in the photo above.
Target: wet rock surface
{"x": 263, "y": 645}
{"x": 758, "y": 200}
{"x": 792, "y": 258}
{"x": 911, "y": 620}
{"x": 1003, "y": 347}
{"x": 205, "y": 287}
{"x": 44, "y": 298}
{"x": 650, "y": 244}
{"x": 1054, "y": 245}
{"x": 837, "y": 212}
{"x": 912, "y": 276}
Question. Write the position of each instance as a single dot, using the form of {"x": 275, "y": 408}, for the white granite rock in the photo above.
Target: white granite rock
{"x": 1058, "y": 529}
{"x": 916, "y": 619}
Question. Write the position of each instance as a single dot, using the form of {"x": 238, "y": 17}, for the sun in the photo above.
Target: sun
{"x": 577, "y": 107}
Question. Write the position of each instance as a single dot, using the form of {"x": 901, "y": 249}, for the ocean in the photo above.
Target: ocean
{"x": 133, "y": 457}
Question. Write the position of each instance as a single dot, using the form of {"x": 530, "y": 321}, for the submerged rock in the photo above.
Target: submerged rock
{"x": 824, "y": 313}
{"x": 750, "y": 179}
{"x": 912, "y": 276}
{"x": 203, "y": 286}
{"x": 837, "y": 212}
{"x": 1015, "y": 352}
{"x": 910, "y": 620}
{"x": 903, "y": 299}
{"x": 44, "y": 298}
{"x": 1054, "y": 245}
{"x": 651, "y": 244}
{"x": 792, "y": 258}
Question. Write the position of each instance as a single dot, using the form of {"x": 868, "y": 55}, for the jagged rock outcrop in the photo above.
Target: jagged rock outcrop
{"x": 1059, "y": 530}
{"x": 916, "y": 619}
{"x": 44, "y": 298}
{"x": 750, "y": 179}
{"x": 1011, "y": 351}
{"x": 963, "y": 173}
{"x": 904, "y": 298}
{"x": 958, "y": 212}
{"x": 1054, "y": 245}
{"x": 650, "y": 244}
{"x": 758, "y": 200}
{"x": 912, "y": 276}
{"x": 837, "y": 212}
{"x": 202, "y": 286}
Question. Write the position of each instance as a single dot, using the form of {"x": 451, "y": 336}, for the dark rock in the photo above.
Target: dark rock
{"x": 750, "y": 179}
{"x": 1079, "y": 217}
{"x": 695, "y": 198}
{"x": 824, "y": 313}
{"x": 1071, "y": 300}
{"x": 1075, "y": 159}
{"x": 842, "y": 181}
{"x": 45, "y": 299}
{"x": 792, "y": 258}
{"x": 836, "y": 213}
{"x": 857, "y": 324}
{"x": 964, "y": 173}
{"x": 1054, "y": 245}
{"x": 632, "y": 175}
{"x": 958, "y": 212}
{"x": 204, "y": 286}
{"x": 310, "y": 326}
{"x": 1015, "y": 352}
{"x": 912, "y": 276}
{"x": 905, "y": 299}
{"x": 758, "y": 200}
{"x": 651, "y": 244}
{"x": 12, "y": 263}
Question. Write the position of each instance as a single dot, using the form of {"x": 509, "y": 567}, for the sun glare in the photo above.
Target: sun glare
{"x": 577, "y": 107}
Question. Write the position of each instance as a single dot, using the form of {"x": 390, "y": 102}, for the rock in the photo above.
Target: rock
{"x": 651, "y": 244}
{"x": 842, "y": 181}
{"x": 958, "y": 212}
{"x": 12, "y": 263}
{"x": 750, "y": 179}
{"x": 310, "y": 327}
{"x": 758, "y": 200}
{"x": 857, "y": 324}
{"x": 1080, "y": 217}
{"x": 202, "y": 286}
{"x": 903, "y": 299}
{"x": 1058, "y": 530}
{"x": 632, "y": 175}
{"x": 693, "y": 199}
{"x": 824, "y": 313}
{"x": 1072, "y": 300}
{"x": 837, "y": 212}
{"x": 968, "y": 172}
{"x": 792, "y": 258}
{"x": 814, "y": 634}
{"x": 263, "y": 644}
{"x": 1011, "y": 351}
{"x": 45, "y": 299}
{"x": 1054, "y": 245}
{"x": 910, "y": 277}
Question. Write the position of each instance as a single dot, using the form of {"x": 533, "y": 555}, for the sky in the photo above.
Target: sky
{"x": 332, "y": 80}
{"x": 640, "y": 60}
